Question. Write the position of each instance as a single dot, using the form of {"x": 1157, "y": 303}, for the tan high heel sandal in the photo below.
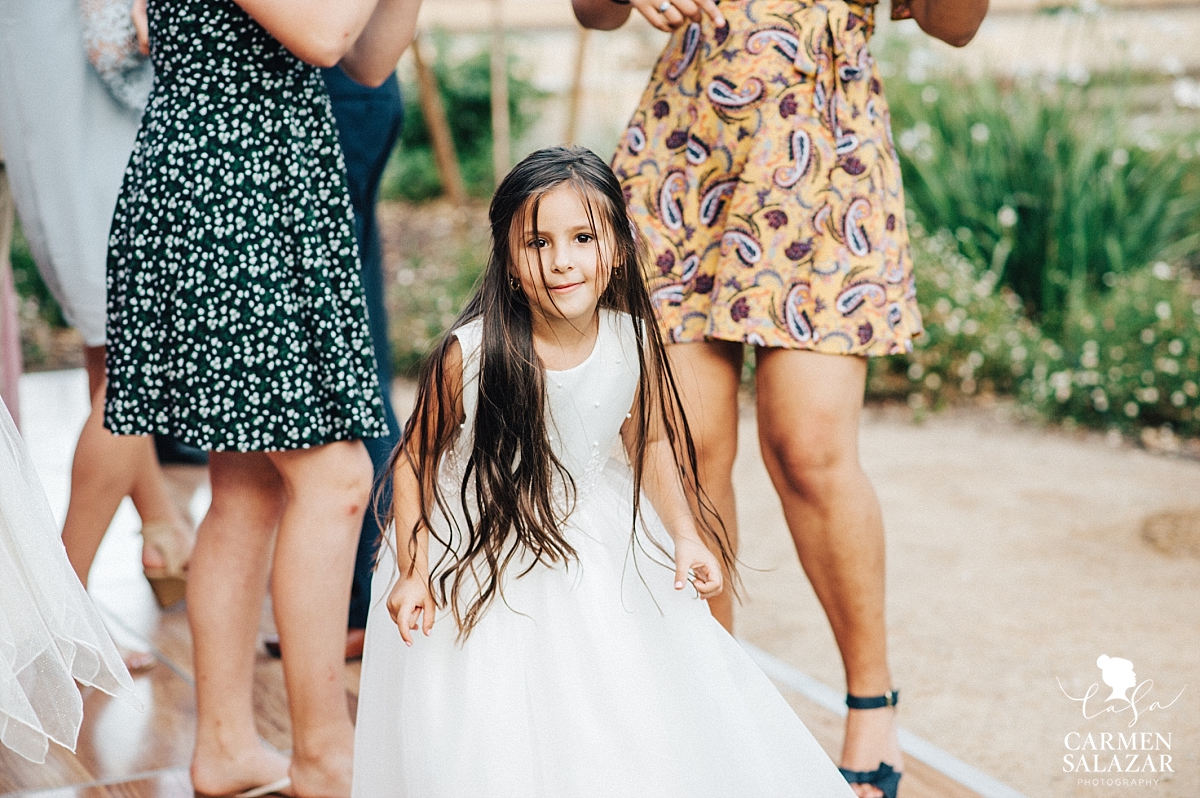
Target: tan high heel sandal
{"x": 169, "y": 582}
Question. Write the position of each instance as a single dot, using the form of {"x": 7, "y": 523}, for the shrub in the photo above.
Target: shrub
{"x": 411, "y": 172}
{"x": 443, "y": 252}
{"x": 28, "y": 282}
{"x": 1045, "y": 182}
{"x": 976, "y": 340}
{"x": 1131, "y": 357}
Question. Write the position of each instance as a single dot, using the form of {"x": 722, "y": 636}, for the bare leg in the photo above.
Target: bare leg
{"x": 106, "y": 469}
{"x": 809, "y": 406}
{"x": 708, "y": 375}
{"x": 227, "y": 581}
{"x": 327, "y": 491}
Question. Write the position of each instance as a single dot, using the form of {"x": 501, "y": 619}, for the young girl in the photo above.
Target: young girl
{"x": 564, "y": 651}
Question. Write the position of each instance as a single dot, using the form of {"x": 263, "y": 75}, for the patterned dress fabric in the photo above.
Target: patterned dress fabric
{"x": 760, "y": 166}
{"x": 236, "y": 318}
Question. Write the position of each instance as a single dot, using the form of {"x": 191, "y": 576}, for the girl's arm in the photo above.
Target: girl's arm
{"x": 410, "y": 603}
{"x": 953, "y": 21}
{"x": 662, "y": 486}
{"x": 369, "y": 35}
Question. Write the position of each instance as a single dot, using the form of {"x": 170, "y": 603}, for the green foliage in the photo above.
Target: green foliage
{"x": 976, "y": 340}
{"x": 1128, "y": 357}
{"x": 465, "y": 86}
{"x": 1042, "y": 182}
{"x": 447, "y": 251}
{"x": 1131, "y": 357}
{"x": 28, "y": 282}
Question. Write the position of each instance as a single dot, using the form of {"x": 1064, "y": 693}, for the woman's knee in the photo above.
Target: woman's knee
{"x": 245, "y": 487}
{"x": 337, "y": 477}
{"x": 809, "y": 462}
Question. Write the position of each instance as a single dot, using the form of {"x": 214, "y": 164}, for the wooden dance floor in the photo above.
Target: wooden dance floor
{"x": 127, "y": 753}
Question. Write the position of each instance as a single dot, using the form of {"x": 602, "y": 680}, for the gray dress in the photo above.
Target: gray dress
{"x": 66, "y": 143}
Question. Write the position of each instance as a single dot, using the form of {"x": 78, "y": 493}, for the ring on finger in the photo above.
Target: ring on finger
{"x": 662, "y": 8}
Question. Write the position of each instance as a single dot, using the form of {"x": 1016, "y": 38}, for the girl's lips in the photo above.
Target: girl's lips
{"x": 564, "y": 288}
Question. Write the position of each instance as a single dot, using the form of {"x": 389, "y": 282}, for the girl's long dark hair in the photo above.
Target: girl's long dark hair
{"x": 508, "y": 487}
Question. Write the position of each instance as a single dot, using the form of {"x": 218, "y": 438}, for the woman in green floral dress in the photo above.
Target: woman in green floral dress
{"x": 237, "y": 324}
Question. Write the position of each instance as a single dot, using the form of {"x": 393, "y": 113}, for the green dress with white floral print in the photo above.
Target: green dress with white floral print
{"x": 236, "y": 319}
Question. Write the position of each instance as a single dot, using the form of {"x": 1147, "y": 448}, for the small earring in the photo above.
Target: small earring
{"x": 512, "y": 283}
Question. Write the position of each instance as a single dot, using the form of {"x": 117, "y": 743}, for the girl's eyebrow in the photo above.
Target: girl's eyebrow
{"x": 541, "y": 233}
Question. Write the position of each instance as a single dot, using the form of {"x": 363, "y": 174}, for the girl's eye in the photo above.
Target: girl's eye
{"x": 538, "y": 243}
{"x": 584, "y": 238}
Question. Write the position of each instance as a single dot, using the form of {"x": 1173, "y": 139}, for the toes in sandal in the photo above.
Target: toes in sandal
{"x": 168, "y": 581}
{"x": 885, "y": 778}
{"x": 274, "y": 788}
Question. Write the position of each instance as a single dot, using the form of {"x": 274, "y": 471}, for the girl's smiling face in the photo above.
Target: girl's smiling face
{"x": 563, "y": 266}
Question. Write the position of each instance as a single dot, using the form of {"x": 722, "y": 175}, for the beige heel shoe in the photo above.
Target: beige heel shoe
{"x": 169, "y": 582}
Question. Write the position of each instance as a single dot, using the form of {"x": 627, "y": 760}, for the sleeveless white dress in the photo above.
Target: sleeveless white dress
{"x": 50, "y": 634}
{"x": 595, "y": 678}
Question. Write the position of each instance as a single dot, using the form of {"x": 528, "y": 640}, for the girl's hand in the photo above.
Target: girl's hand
{"x": 141, "y": 26}
{"x": 409, "y": 602}
{"x": 667, "y": 15}
{"x": 693, "y": 560}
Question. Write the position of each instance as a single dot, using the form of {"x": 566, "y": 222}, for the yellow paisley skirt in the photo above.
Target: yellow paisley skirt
{"x": 760, "y": 166}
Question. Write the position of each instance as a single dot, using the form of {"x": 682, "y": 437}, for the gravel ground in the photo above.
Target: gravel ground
{"x": 1015, "y": 559}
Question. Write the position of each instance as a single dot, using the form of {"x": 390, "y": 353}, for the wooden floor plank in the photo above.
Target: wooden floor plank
{"x": 173, "y": 783}
{"x": 61, "y": 767}
{"x": 123, "y": 753}
{"x": 117, "y": 741}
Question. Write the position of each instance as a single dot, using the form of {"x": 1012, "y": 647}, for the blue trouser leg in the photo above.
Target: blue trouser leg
{"x": 368, "y": 122}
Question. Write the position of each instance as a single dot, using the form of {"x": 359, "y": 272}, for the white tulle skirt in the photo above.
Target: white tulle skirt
{"x": 50, "y": 634}
{"x": 596, "y": 679}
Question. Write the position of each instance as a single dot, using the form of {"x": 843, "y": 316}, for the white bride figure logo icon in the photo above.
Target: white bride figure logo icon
{"x": 1118, "y": 674}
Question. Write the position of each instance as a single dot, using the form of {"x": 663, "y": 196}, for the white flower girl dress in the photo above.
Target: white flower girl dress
{"x": 595, "y": 678}
{"x": 50, "y": 634}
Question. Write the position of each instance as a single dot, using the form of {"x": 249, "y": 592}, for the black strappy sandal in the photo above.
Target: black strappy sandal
{"x": 884, "y": 777}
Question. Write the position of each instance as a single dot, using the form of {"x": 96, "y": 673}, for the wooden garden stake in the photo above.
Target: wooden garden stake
{"x": 575, "y": 99}
{"x": 501, "y": 147}
{"x": 439, "y": 129}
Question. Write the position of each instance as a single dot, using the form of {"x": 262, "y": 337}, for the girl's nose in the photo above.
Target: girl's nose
{"x": 562, "y": 259}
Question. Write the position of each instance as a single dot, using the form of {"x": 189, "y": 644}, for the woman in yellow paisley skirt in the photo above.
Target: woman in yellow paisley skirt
{"x": 760, "y": 167}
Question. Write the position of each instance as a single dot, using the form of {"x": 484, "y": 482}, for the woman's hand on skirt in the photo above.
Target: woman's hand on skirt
{"x": 141, "y": 26}
{"x": 411, "y": 606}
{"x": 667, "y": 15}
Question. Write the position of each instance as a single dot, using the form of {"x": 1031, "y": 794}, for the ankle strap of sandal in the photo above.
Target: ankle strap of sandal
{"x": 888, "y": 699}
